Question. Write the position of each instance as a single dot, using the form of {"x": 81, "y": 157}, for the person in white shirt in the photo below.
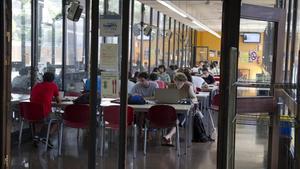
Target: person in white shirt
{"x": 198, "y": 82}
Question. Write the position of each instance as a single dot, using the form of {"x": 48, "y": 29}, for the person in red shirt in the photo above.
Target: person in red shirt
{"x": 43, "y": 93}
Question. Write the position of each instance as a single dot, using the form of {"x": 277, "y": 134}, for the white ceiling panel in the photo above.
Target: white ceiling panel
{"x": 209, "y": 13}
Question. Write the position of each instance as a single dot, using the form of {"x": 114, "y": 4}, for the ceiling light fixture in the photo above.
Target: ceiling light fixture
{"x": 172, "y": 7}
{"x": 201, "y": 25}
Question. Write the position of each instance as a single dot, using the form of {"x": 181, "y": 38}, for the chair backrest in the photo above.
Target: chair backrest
{"x": 215, "y": 104}
{"x": 31, "y": 111}
{"x": 161, "y": 84}
{"x": 111, "y": 115}
{"x": 77, "y": 115}
{"x": 72, "y": 94}
{"x": 162, "y": 116}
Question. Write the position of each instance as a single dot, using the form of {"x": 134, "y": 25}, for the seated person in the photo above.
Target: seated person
{"x": 144, "y": 87}
{"x": 186, "y": 91}
{"x": 209, "y": 79}
{"x": 43, "y": 93}
{"x": 87, "y": 85}
{"x": 154, "y": 78}
{"x": 21, "y": 83}
{"x": 163, "y": 75}
{"x": 198, "y": 83}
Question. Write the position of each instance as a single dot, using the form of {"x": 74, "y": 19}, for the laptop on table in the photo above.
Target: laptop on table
{"x": 167, "y": 96}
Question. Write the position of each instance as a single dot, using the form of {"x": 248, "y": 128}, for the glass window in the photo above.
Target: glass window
{"x": 171, "y": 40}
{"x": 146, "y": 37}
{"x": 75, "y": 57}
{"x": 160, "y": 39}
{"x": 113, "y": 7}
{"x": 136, "y": 41}
{"x": 153, "y": 40}
{"x": 166, "y": 40}
{"x": 21, "y": 46}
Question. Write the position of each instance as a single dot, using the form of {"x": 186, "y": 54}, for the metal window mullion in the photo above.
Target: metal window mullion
{"x": 182, "y": 46}
{"x": 174, "y": 40}
{"x": 185, "y": 45}
{"x": 64, "y": 49}
{"x": 150, "y": 40}
{"x": 169, "y": 41}
{"x": 164, "y": 38}
{"x": 157, "y": 39}
{"x": 131, "y": 35}
{"x": 87, "y": 35}
{"x": 178, "y": 44}
{"x": 287, "y": 41}
{"x": 293, "y": 44}
{"x": 33, "y": 41}
{"x": 142, "y": 37}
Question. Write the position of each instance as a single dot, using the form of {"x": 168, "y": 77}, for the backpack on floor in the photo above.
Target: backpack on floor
{"x": 199, "y": 134}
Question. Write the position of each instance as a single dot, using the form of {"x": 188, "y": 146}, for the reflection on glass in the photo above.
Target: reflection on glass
{"x": 255, "y": 51}
{"x": 21, "y": 46}
{"x": 136, "y": 57}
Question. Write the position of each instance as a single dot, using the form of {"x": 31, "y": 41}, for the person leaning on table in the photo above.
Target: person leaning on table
{"x": 186, "y": 91}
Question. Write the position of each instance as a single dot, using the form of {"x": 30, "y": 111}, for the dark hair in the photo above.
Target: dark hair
{"x": 24, "y": 71}
{"x": 162, "y": 66}
{"x": 155, "y": 69}
{"x": 186, "y": 72}
{"x": 136, "y": 74}
{"x": 48, "y": 77}
{"x": 204, "y": 69}
{"x": 143, "y": 75}
{"x": 153, "y": 76}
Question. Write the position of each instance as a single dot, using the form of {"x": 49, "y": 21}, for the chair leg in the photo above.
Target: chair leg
{"x": 20, "y": 133}
{"x": 134, "y": 140}
{"x": 60, "y": 137}
{"x": 78, "y": 134}
{"x": 145, "y": 139}
{"x": 102, "y": 139}
{"x": 177, "y": 140}
{"x": 48, "y": 133}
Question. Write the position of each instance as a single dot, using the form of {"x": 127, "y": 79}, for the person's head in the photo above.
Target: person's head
{"x": 24, "y": 71}
{"x": 136, "y": 74}
{"x": 155, "y": 70}
{"x": 180, "y": 79}
{"x": 161, "y": 68}
{"x": 205, "y": 71}
{"x": 201, "y": 63}
{"x": 143, "y": 79}
{"x": 187, "y": 73}
{"x": 153, "y": 77}
{"x": 48, "y": 77}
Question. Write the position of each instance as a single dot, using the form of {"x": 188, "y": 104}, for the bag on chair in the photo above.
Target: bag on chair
{"x": 199, "y": 134}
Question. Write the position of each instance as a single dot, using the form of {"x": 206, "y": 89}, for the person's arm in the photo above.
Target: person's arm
{"x": 192, "y": 95}
{"x": 58, "y": 100}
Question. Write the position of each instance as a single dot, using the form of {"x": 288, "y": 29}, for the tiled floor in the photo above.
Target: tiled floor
{"x": 251, "y": 152}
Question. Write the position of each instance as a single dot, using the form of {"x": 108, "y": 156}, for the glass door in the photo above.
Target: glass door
{"x": 252, "y": 56}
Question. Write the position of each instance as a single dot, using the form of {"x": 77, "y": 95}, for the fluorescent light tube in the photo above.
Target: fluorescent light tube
{"x": 168, "y": 5}
{"x": 201, "y": 25}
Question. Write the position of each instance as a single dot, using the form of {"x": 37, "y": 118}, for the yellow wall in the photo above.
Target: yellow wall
{"x": 211, "y": 41}
{"x": 214, "y": 43}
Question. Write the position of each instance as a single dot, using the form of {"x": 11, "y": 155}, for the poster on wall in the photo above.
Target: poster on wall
{"x": 212, "y": 53}
{"x": 110, "y": 25}
{"x": 109, "y": 56}
{"x": 110, "y": 84}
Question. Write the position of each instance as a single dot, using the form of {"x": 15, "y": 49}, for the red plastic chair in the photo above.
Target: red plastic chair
{"x": 72, "y": 94}
{"x": 217, "y": 78}
{"x": 215, "y": 104}
{"x": 111, "y": 115}
{"x": 161, "y": 84}
{"x": 161, "y": 117}
{"x": 33, "y": 113}
{"x": 75, "y": 116}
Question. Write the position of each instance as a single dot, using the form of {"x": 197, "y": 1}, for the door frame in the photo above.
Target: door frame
{"x": 233, "y": 11}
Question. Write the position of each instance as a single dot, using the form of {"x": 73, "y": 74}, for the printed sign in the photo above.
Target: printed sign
{"x": 109, "y": 56}
{"x": 110, "y": 25}
{"x": 110, "y": 84}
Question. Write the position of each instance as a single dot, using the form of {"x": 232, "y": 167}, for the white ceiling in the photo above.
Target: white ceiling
{"x": 209, "y": 13}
